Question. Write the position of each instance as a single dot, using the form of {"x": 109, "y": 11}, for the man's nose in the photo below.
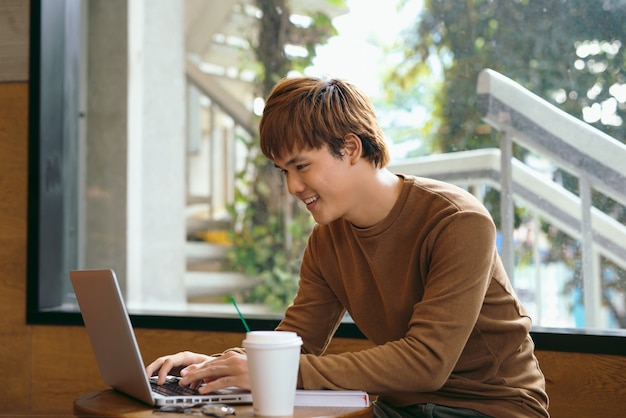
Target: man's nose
{"x": 294, "y": 184}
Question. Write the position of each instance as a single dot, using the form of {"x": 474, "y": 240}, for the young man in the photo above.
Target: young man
{"x": 412, "y": 260}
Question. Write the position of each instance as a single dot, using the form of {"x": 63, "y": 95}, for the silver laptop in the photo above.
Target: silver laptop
{"x": 115, "y": 347}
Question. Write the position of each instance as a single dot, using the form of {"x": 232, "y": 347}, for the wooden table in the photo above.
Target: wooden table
{"x": 111, "y": 403}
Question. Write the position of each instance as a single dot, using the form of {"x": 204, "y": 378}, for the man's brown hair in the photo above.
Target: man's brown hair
{"x": 309, "y": 113}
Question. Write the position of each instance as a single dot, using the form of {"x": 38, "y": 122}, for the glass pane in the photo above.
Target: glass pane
{"x": 151, "y": 139}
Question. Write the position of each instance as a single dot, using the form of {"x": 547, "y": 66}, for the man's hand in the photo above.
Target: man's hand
{"x": 164, "y": 365}
{"x": 229, "y": 369}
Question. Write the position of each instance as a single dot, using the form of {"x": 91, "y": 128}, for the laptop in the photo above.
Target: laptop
{"x": 117, "y": 353}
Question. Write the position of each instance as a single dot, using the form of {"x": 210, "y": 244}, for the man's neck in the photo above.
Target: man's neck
{"x": 379, "y": 195}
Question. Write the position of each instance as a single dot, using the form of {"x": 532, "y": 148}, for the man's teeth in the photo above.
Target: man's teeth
{"x": 310, "y": 200}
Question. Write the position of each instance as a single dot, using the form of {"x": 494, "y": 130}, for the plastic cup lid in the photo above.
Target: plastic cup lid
{"x": 272, "y": 337}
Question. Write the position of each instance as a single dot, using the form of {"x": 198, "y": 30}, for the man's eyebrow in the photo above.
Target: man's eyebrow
{"x": 291, "y": 161}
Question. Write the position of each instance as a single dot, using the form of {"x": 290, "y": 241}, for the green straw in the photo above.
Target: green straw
{"x": 245, "y": 324}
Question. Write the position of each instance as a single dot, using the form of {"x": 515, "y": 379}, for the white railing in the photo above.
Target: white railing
{"x": 596, "y": 159}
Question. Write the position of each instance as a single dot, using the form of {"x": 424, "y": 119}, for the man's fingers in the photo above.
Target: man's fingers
{"x": 219, "y": 383}
{"x": 167, "y": 365}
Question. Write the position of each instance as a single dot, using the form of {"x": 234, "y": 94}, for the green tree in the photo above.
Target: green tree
{"x": 532, "y": 42}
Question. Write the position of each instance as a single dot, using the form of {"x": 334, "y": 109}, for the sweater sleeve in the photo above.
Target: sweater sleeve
{"x": 316, "y": 311}
{"x": 460, "y": 255}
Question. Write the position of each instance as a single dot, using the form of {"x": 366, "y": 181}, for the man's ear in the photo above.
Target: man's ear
{"x": 353, "y": 147}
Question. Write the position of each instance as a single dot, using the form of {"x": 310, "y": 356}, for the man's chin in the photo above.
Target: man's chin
{"x": 321, "y": 220}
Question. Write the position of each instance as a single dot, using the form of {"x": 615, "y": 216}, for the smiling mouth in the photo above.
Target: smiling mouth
{"x": 310, "y": 200}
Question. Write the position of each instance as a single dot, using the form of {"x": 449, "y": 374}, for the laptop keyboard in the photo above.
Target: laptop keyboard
{"x": 171, "y": 388}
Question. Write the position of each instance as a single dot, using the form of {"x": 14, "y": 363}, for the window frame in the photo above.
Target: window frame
{"x": 550, "y": 339}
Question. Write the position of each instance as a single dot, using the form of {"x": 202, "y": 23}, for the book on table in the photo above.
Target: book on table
{"x": 346, "y": 398}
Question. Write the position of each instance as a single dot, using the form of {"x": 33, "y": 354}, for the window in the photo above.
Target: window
{"x": 144, "y": 119}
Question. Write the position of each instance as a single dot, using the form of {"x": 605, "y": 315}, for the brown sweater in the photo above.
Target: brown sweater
{"x": 427, "y": 286}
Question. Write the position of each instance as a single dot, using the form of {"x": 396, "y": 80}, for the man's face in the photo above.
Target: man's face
{"x": 320, "y": 180}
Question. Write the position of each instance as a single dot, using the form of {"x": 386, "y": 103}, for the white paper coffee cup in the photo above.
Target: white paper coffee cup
{"x": 273, "y": 360}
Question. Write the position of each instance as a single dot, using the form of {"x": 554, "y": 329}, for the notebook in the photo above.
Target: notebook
{"x": 115, "y": 347}
{"x": 121, "y": 365}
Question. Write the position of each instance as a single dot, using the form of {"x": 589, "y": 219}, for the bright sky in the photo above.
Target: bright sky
{"x": 352, "y": 55}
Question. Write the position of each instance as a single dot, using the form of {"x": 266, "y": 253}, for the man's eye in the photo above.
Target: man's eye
{"x": 301, "y": 166}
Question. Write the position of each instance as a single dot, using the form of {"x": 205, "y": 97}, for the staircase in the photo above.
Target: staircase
{"x": 208, "y": 279}
{"x": 596, "y": 159}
